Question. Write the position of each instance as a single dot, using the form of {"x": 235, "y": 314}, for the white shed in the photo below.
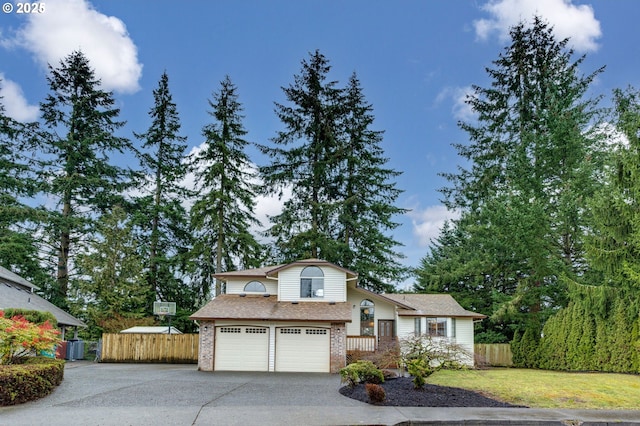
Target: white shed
{"x": 152, "y": 330}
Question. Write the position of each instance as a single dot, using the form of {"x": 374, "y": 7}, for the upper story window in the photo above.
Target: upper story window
{"x": 255, "y": 287}
{"x": 367, "y": 311}
{"x": 311, "y": 282}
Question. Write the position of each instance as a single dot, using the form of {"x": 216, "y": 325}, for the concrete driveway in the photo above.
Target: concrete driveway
{"x": 159, "y": 394}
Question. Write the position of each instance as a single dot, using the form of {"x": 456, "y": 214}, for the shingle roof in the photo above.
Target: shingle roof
{"x": 431, "y": 305}
{"x": 257, "y": 272}
{"x": 272, "y": 270}
{"x": 14, "y": 293}
{"x": 372, "y": 295}
{"x": 8, "y": 276}
{"x": 259, "y": 307}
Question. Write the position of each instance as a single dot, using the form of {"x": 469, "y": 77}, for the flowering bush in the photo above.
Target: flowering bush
{"x": 19, "y": 338}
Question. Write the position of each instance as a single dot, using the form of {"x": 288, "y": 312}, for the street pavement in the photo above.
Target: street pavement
{"x": 161, "y": 394}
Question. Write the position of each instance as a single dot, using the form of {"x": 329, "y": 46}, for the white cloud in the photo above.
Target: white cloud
{"x": 15, "y": 104}
{"x": 576, "y": 22}
{"x": 70, "y": 25}
{"x": 461, "y": 110}
{"x": 428, "y": 222}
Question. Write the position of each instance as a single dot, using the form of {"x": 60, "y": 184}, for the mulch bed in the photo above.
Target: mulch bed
{"x": 400, "y": 393}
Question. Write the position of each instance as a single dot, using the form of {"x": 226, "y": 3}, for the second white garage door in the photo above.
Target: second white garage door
{"x": 242, "y": 348}
{"x": 305, "y": 349}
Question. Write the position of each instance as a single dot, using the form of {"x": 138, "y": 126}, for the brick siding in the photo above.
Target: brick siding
{"x": 338, "y": 347}
{"x": 205, "y": 353}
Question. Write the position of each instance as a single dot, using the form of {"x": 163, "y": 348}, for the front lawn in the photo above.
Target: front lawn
{"x": 548, "y": 389}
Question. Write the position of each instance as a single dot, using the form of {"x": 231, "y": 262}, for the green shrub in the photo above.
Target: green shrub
{"x": 420, "y": 370}
{"x": 33, "y": 379}
{"x": 361, "y": 372}
{"x": 375, "y": 393}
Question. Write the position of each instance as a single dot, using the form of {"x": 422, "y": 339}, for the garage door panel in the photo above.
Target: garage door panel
{"x": 303, "y": 349}
{"x": 242, "y": 348}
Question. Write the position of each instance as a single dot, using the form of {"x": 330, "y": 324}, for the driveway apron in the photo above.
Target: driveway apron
{"x": 160, "y": 394}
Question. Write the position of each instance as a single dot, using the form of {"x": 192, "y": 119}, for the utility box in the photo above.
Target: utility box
{"x": 75, "y": 349}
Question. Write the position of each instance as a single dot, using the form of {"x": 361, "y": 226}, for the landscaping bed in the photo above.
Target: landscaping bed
{"x": 400, "y": 392}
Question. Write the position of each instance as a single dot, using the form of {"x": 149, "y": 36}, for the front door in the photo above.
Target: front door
{"x": 386, "y": 332}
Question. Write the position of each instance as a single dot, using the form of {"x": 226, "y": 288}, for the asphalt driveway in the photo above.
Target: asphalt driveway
{"x": 160, "y": 394}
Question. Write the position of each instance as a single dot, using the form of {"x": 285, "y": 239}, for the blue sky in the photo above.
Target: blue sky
{"x": 416, "y": 60}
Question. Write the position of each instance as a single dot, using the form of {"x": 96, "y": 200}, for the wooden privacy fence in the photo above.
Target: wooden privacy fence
{"x": 495, "y": 354}
{"x": 136, "y": 347}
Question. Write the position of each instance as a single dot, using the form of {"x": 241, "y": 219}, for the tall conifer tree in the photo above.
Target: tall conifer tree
{"x": 162, "y": 219}
{"x": 82, "y": 121}
{"x": 342, "y": 194}
{"x": 303, "y": 158}
{"x": 18, "y": 247}
{"x": 367, "y": 196}
{"x": 614, "y": 243}
{"x": 223, "y": 212}
{"x": 531, "y": 156}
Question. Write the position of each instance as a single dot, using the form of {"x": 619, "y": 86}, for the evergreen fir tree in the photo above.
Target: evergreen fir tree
{"x": 343, "y": 195}
{"x": 18, "y": 221}
{"x": 367, "y": 196}
{"x": 223, "y": 212}
{"x": 161, "y": 219}
{"x": 614, "y": 243}
{"x": 304, "y": 159}
{"x": 81, "y": 120}
{"x": 111, "y": 281}
{"x": 523, "y": 197}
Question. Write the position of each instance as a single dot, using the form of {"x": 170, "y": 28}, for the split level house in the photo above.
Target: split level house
{"x": 304, "y": 317}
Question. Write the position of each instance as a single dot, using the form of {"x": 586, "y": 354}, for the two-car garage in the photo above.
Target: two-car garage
{"x": 295, "y": 348}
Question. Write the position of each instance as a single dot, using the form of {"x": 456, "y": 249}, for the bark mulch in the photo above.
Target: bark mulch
{"x": 400, "y": 393}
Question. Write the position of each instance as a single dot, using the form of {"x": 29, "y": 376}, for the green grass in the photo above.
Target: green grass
{"x": 548, "y": 389}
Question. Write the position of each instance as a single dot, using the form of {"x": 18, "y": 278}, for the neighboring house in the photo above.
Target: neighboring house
{"x": 16, "y": 292}
{"x": 305, "y": 315}
{"x": 152, "y": 330}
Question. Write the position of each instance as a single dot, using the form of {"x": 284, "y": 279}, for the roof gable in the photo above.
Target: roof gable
{"x": 272, "y": 271}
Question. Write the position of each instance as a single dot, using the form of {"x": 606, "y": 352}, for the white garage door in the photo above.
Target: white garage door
{"x": 241, "y": 348}
{"x": 305, "y": 349}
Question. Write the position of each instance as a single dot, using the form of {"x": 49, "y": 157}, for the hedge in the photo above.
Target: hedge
{"x": 599, "y": 330}
{"x": 33, "y": 379}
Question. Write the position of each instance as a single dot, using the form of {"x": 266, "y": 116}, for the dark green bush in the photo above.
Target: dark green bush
{"x": 33, "y": 379}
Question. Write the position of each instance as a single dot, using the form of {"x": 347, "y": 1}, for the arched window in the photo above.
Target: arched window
{"x": 367, "y": 313}
{"x": 311, "y": 282}
{"x": 255, "y": 287}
